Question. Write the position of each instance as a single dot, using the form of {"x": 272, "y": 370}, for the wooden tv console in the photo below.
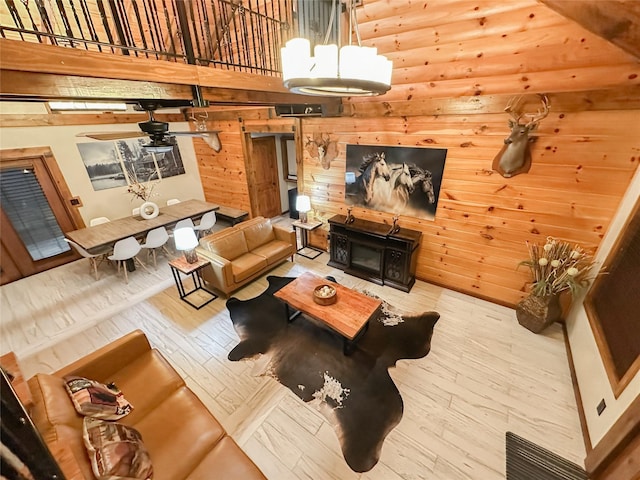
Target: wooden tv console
{"x": 370, "y": 250}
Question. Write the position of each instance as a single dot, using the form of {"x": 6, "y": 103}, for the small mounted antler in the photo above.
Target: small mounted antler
{"x": 322, "y": 148}
{"x": 200, "y": 121}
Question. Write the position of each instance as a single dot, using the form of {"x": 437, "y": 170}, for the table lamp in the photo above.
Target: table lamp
{"x": 303, "y": 205}
{"x": 186, "y": 241}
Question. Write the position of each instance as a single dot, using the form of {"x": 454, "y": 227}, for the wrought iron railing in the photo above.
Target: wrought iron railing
{"x": 242, "y": 35}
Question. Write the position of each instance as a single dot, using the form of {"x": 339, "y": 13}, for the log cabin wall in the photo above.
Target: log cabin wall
{"x": 583, "y": 163}
{"x": 456, "y": 64}
{"x": 223, "y": 174}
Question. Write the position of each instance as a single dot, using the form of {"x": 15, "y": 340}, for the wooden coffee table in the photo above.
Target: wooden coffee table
{"x": 349, "y": 316}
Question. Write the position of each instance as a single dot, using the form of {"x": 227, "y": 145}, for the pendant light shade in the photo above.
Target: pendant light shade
{"x": 352, "y": 70}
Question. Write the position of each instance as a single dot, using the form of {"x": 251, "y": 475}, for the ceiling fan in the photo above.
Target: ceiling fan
{"x": 162, "y": 140}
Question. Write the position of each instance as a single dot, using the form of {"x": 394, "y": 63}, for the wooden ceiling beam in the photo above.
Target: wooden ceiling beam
{"x": 228, "y": 96}
{"x": 42, "y": 86}
{"x": 617, "y": 21}
{"x": 36, "y": 71}
{"x": 21, "y": 85}
{"x": 36, "y": 57}
{"x": 66, "y": 119}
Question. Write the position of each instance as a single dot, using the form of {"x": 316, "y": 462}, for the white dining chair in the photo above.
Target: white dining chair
{"x": 98, "y": 221}
{"x": 184, "y": 223}
{"x": 95, "y": 259}
{"x": 123, "y": 250}
{"x": 172, "y": 201}
{"x": 156, "y": 238}
{"x": 207, "y": 222}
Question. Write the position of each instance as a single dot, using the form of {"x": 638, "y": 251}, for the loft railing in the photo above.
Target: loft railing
{"x": 241, "y": 35}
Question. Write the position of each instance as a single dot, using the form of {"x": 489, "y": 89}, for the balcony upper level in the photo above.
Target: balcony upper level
{"x": 134, "y": 49}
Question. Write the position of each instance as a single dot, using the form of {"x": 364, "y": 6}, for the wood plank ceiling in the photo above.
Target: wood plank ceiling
{"x": 614, "y": 20}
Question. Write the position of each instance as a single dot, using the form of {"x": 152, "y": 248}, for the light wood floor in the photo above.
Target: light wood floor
{"x": 485, "y": 374}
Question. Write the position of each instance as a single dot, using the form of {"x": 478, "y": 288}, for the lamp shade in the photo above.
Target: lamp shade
{"x": 303, "y": 203}
{"x": 185, "y": 238}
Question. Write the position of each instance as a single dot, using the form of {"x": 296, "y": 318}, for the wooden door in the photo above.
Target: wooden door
{"x": 34, "y": 245}
{"x": 9, "y": 271}
{"x": 264, "y": 183}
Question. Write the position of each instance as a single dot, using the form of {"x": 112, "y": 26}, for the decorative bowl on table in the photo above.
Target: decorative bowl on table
{"x": 324, "y": 294}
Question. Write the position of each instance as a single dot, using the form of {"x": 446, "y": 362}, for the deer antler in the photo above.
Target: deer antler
{"x": 511, "y": 108}
{"x": 542, "y": 112}
{"x": 200, "y": 121}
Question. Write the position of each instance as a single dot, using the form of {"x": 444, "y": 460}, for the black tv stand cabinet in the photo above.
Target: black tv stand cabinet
{"x": 370, "y": 250}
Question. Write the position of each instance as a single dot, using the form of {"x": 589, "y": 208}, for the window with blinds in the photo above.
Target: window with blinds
{"x": 28, "y": 210}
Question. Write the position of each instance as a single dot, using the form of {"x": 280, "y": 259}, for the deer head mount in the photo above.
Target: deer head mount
{"x": 322, "y": 148}
{"x": 209, "y": 136}
{"x": 515, "y": 157}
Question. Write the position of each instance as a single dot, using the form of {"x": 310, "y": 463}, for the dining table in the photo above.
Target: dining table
{"x": 98, "y": 236}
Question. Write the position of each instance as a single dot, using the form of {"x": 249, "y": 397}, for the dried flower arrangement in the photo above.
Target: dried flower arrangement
{"x": 141, "y": 190}
{"x": 557, "y": 266}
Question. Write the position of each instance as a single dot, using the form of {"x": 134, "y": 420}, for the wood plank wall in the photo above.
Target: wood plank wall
{"x": 446, "y": 55}
{"x": 582, "y": 165}
{"x": 224, "y": 174}
{"x": 456, "y": 64}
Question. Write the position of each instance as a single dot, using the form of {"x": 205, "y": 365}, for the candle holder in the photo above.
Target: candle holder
{"x": 350, "y": 218}
{"x": 395, "y": 228}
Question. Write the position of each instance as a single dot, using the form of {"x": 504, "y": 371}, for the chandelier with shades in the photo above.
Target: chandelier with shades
{"x": 352, "y": 70}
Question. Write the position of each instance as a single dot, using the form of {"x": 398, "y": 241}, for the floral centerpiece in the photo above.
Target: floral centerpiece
{"x": 141, "y": 190}
{"x": 556, "y": 267}
{"x": 144, "y": 192}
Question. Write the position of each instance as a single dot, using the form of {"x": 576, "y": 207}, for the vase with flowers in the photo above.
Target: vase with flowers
{"x": 556, "y": 267}
{"x": 144, "y": 192}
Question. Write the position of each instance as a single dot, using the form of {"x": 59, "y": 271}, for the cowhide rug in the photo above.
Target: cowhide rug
{"x": 355, "y": 393}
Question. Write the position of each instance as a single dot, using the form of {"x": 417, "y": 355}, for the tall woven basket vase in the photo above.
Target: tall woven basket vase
{"x": 537, "y": 313}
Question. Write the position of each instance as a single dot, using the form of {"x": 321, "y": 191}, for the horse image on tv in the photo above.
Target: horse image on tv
{"x": 399, "y": 180}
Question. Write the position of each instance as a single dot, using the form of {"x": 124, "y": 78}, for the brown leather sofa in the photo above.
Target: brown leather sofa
{"x": 183, "y": 438}
{"x": 241, "y": 253}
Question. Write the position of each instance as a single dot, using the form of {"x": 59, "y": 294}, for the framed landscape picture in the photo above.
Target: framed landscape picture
{"x": 103, "y": 165}
{"x": 117, "y": 163}
{"x": 398, "y": 180}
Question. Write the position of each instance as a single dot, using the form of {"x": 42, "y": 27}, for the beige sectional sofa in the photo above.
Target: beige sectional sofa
{"x": 243, "y": 252}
